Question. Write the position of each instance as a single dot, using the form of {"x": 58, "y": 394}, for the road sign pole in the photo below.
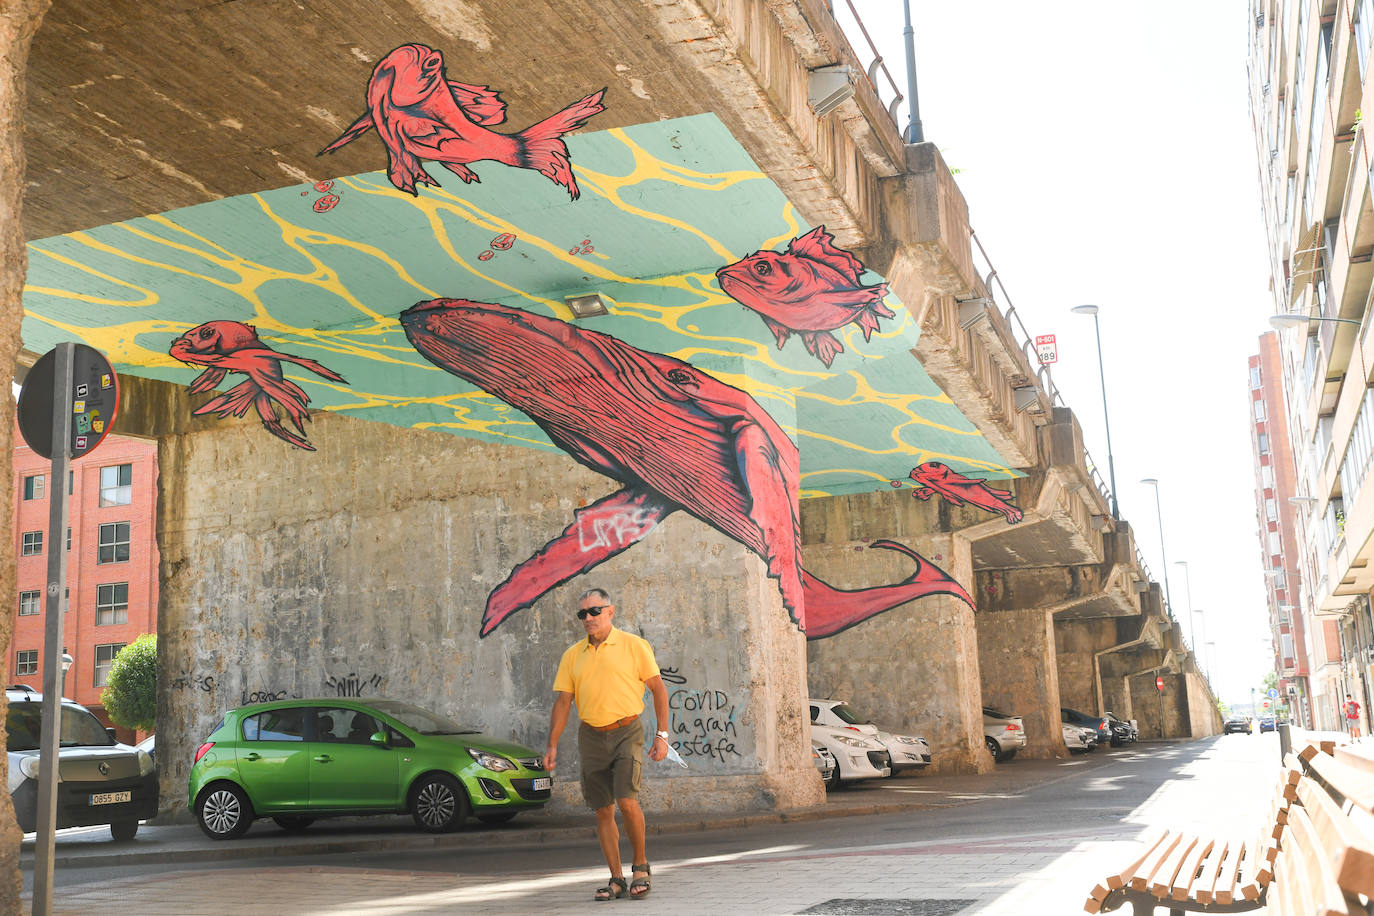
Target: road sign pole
{"x": 54, "y": 607}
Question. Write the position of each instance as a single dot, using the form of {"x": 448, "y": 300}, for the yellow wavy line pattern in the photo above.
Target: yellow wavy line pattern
{"x": 163, "y": 247}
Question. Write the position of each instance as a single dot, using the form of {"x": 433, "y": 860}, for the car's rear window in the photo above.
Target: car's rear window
{"x": 997, "y": 713}
{"x": 23, "y": 725}
{"x": 276, "y": 725}
{"x": 846, "y": 713}
{"x": 422, "y": 720}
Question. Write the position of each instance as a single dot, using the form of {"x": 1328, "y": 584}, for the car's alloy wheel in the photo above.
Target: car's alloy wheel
{"x": 224, "y": 812}
{"x": 834, "y": 781}
{"x": 438, "y": 804}
{"x": 124, "y": 830}
{"x": 994, "y": 749}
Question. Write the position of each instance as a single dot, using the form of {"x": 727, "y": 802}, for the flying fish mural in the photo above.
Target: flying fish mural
{"x": 674, "y": 437}
{"x": 934, "y": 477}
{"x": 419, "y": 113}
{"x": 231, "y": 346}
{"x": 811, "y": 289}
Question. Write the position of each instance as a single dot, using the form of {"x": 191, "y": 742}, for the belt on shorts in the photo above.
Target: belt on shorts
{"x": 618, "y": 723}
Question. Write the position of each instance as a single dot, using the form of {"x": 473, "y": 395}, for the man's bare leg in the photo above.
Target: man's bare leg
{"x": 633, "y": 816}
{"x": 609, "y": 836}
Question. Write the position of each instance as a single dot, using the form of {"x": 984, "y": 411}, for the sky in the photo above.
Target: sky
{"x": 1106, "y": 154}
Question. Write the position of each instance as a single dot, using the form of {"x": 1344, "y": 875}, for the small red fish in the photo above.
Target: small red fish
{"x": 811, "y": 289}
{"x": 229, "y": 346}
{"x": 934, "y": 477}
{"x": 421, "y": 114}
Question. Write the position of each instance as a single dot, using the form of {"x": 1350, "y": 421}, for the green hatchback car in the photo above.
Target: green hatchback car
{"x": 298, "y": 760}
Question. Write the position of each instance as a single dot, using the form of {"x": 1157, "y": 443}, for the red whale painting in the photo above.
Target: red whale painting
{"x": 230, "y": 346}
{"x": 934, "y": 477}
{"x": 419, "y": 113}
{"x": 675, "y": 439}
{"x": 811, "y": 289}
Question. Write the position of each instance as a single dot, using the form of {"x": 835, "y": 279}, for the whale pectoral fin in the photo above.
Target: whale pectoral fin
{"x": 772, "y": 507}
{"x": 597, "y": 533}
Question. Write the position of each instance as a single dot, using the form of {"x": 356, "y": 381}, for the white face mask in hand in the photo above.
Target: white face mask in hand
{"x": 674, "y": 757}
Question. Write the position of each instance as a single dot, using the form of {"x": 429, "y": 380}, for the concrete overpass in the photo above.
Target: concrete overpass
{"x": 286, "y": 571}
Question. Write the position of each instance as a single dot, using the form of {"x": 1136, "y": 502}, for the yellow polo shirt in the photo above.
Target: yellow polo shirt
{"x": 607, "y": 681}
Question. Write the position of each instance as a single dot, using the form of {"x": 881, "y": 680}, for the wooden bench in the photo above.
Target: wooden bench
{"x": 1313, "y": 856}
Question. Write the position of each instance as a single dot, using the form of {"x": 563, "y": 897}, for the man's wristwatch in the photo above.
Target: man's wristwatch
{"x": 663, "y": 735}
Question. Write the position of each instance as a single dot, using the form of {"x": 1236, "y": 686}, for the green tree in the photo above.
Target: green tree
{"x": 130, "y": 694}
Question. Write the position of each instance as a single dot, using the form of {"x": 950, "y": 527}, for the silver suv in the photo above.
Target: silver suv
{"x": 101, "y": 781}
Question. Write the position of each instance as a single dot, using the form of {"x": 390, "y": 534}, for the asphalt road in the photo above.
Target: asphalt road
{"x": 1112, "y": 794}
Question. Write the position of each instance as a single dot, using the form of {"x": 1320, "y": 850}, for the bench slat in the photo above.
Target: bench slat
{"x": 1304, "y": 864}
{"x": 1188, "y": 870}
{"x": 1223, "y": 891}
{"x": 1345, "y": 844}
{"x": 1356, "y": 757}
{"x": 1356, "y": 786}
{"x": 1145, "y": 871}
{"x": 1152, "y": 839}
{"x": 1201, "y": 889}
{"x": 1170, "y": 866}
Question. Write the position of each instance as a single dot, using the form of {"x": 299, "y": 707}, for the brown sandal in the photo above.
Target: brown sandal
{"x": 614, "y": 889}
{"x": 643, "y": 885}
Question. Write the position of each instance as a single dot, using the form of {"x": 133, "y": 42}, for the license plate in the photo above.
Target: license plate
{"x": 111, "y": 798}
{"x": 542, "y": 783}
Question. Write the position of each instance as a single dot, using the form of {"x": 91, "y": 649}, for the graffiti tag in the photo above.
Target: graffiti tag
{"x": 702, "y": 723}
{"x": 205, "y": 683}
{"x": 353, "y": 684}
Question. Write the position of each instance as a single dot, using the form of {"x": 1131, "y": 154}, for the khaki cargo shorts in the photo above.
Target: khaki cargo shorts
{"x": 611, "y": 762}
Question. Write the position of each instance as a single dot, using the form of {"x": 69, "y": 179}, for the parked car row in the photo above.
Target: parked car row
{"x": 860, "y": 749}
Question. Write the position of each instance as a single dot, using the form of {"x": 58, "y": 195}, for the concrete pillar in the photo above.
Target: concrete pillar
{"x": 913, "y": 669}
{"x": 19, "y": 20}
{"x": 363, "y": 569}
{"x": 1016, "y": 657}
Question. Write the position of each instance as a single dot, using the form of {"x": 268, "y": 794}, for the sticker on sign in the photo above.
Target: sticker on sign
{"x": 1046, "y": 349}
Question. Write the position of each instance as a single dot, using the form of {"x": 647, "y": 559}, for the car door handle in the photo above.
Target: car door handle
{"x": 323, "y": 758}
{"x": 253, "y": 756}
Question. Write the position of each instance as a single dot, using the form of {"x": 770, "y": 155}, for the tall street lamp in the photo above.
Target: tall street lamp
{"x": 1150, "y": 481}
{"x": 1285, "y": 320}
{"x": 1188, "y": 591}
{"x": 1106, "y": 423}
{"x": 1208, "y": 672}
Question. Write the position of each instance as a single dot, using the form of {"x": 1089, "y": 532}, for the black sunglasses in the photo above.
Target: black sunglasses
{"x": 585, "y": 612}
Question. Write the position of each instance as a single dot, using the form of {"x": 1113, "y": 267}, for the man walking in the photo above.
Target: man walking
{"x": 1352, "y": 717}
{"x": 606, "y": 674}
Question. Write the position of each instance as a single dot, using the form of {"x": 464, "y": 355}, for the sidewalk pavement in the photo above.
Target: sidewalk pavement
{"x": 185, "y": 843}
{"x": 1049, "y": 871}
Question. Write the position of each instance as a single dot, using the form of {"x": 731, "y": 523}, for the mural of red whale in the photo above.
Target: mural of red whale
{"x": 420, "y": 113}
{"x": 674, "y": 437}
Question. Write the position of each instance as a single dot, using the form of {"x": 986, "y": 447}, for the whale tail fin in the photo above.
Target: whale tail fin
{"x": 830, "y": 610}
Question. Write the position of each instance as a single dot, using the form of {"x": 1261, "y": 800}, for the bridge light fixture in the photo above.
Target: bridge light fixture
{"x": 829, "y": 87}
{"x": 588, "y": 306}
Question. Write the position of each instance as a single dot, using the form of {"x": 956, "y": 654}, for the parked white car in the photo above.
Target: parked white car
{"x": 824, "y": 761}
{"x": 1078, "y": 740}
{"x": 1003, "y": 733}
{"x": 904, "y": 751}
{"x": 856, "y": 756}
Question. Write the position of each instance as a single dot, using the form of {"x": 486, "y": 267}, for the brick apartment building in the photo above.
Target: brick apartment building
{"x": 111, "y": 567}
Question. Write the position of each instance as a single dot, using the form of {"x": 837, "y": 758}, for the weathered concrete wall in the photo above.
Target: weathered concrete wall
{"x": 1076, "y": 643}
{"x": 364, "y": 568}
{"x": 1150, "y": 704}
{"x": 913, "y": 668}
{"x": 1019, "y": 675}
{"x": 1204, "y": 718}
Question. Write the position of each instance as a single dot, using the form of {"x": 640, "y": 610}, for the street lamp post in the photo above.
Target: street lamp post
{"x": 1208, "y": 672}
{"x": 1188, "y": 593}
{"x": 1102, "y": 380}
{"x": 1285, "y": 320}
{"x": 1159, "y": 514}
